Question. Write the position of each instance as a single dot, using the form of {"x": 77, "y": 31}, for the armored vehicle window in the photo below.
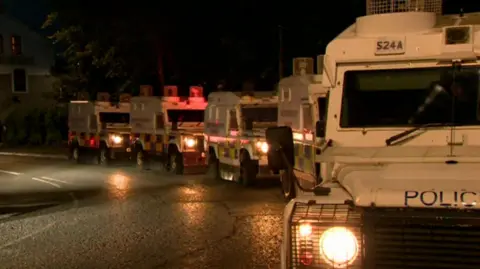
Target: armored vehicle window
{"x": 185, "y": 115}
{"x": 233, "y": 124}
{"x": 404, "y": 97}
{"x": 322, "y": 108}
{"x": 307, "y": 116}
{"x": 92, "y": 121}
{"x": 112, "y": 117}
{"x": 210, "y": 112}
{"x": 159, "y": 121}
{"x": 260, "y": 113}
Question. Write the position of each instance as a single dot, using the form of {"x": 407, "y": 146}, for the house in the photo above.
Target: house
{"x": 26, "y": 58}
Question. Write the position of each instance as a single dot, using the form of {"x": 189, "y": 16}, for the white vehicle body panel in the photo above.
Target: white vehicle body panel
{"x": 436, "y": 168}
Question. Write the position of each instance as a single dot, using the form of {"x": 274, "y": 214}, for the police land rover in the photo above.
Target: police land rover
{"x": 403, "y": 126}
{"x": 302, "y": 103}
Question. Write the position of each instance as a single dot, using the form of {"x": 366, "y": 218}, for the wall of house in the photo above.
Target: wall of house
{"x": 33, "y": 45}
{"x": 39, "y": 94}
{"x": 36, "y": 59}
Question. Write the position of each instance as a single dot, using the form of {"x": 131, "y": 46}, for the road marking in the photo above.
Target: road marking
{"x": 13, "y": 242}
{"x": 56, "y": 180}
{"x": 44, "y": 228}
{"x": 10, "y": 172}
{"x": 46, "y": 182}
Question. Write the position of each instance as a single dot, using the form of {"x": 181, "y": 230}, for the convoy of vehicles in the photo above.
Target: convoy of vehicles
{"x": 169, "y": 128}
{"x": 401, "y": 183}
{"x": 99, "y": 129}
{"x": 386, "y": 179}
{"x": 235, "y": 125}
{"x": 302, "y": 105}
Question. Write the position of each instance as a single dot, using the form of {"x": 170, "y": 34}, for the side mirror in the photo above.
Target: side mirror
{"x": 320, "y": 128}
{"x": 248, "y": 124}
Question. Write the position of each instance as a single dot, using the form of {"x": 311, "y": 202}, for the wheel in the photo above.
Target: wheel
{"x": 75, "y": 154}
{"x": 287, "y": 180}
{"x": 140, "y": 158}
{"x": 175, "y": 163}
{"x": 103, "y": 158}
{"x": 248, "y": 173}
{"x": 213, "y": 167}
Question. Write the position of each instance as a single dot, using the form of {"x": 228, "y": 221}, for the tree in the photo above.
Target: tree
{"x": 105, "y": 50}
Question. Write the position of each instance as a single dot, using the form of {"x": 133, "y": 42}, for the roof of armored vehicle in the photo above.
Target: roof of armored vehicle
{"x": 436, "y": 24}
{"x": 304, "y": 80}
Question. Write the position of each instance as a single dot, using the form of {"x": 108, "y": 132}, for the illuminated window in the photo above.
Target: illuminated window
{"x": 19, "y": 81}
{"x": 16, "y": 45}
{"x": 1, "y": 44}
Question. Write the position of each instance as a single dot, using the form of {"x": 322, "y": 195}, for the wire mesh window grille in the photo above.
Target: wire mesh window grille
{"x": 391, "y": 6}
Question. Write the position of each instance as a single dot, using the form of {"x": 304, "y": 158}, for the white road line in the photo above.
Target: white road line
{"x": 13, "y": 242}
{"x": 56, "y": 180}
{"x": 10, "y": 172}
{"x": 46, "y": 182}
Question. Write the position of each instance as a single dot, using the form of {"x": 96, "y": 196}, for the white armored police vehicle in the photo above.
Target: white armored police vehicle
{"x": 401, "y": 188}
{"x": 169, "y": 128}
{"x": 235, "y": 125}
{"x": 302, "y": 103}
{"x": 99, "y": 128}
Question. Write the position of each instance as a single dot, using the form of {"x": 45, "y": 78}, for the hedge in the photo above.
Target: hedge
{"x": 36, "y": 127}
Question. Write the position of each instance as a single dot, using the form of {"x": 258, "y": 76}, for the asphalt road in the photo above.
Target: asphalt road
{"x": 54, "y": 214}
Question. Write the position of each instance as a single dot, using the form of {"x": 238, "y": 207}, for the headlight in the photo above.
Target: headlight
{"x": 325, "y": 236}
{"x": 116, "y": 139}
{"x": 338, "y": 246}
{"x": 262, "y": 146}
{"x": 190, "y": 142}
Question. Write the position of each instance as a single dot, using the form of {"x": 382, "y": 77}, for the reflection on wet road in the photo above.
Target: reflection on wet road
{"x": 74, "y": 216}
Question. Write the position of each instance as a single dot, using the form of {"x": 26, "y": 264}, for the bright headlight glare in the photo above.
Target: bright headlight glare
{"x": 338, "y": 247}
{"x": 262, "y": 146}
{"x": 116, "y": 139}
{"x": 190, "y": 142}
{"x": 305, "y": 230}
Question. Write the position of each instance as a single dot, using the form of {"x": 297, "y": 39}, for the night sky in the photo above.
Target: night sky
{"x": 307, "y": 28}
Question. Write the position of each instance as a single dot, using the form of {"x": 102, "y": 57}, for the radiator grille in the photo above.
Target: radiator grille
{"x": 422, "y": 239}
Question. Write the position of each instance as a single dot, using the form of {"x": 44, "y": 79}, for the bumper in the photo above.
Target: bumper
{"x": 194, "y": 159}
{"x": 120, "y": 153}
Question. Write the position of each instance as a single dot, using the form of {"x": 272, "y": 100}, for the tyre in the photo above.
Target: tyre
{"x": 75, "y": 154}
{"x": 103, "y": 156}
{"x": 213, "y": 167}
{"x": 248, "y": 173}
{"x": 140, "y": 158}
{"x": 175, "y": 163}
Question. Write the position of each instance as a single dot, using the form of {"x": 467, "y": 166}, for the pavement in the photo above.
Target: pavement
{"x": 56, "y": 214}
{"x": 50, "y": 152}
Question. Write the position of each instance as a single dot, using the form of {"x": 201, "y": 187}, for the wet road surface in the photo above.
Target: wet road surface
{"x": 54, "y": 214}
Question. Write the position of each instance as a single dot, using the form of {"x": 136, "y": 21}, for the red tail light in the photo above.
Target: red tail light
{"x": 306, "y": 258}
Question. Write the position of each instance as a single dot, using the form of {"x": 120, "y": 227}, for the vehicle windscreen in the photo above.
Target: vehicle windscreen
{"x": 112, "y": 117}
{"x": 406, "y": 97}
{"x": 260, "y": 114}
{"x": 185, "y": 115}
